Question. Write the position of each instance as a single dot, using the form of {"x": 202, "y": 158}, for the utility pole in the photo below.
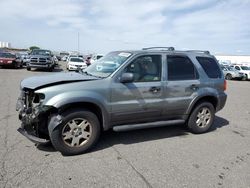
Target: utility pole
{"x": 78, "y": 42}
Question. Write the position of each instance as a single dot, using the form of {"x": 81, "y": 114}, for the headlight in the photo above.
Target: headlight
{"x": 9, "y": 61}
{"x": 38, "y": 98}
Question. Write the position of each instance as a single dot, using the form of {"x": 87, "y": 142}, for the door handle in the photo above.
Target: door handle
{"x": 155, "y": 89}
{"x": 194, "y": 87}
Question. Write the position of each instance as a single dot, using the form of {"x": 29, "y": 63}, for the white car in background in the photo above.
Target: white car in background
{"x": 75, "y": 63}
{"x": 243, "y": 69}
{"x": 95, "y": 58}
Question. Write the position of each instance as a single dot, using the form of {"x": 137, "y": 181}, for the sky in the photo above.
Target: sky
{"x": 220, "y": 26}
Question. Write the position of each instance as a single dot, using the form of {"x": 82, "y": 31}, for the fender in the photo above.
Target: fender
{"x": 206, "y": 92}
{"x": 63, "y": 99}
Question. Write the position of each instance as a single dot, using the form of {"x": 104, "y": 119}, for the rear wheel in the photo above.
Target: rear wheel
{"x": 201, "y": 118}
{"x": 78, "y": 132}
{"x": 28, "y": 68}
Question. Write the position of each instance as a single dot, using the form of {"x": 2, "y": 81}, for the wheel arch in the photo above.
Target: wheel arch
{"x": 95, "y": 107}
{"x": 206, "y": 98}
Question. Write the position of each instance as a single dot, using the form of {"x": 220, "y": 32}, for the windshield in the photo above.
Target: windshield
{"x": 107, "y": 64}
{"x": 74, "y": 59}
{"x": 245, "y": 68}
{"x": 41, "y": 52}
{"x": 7, "y": 55}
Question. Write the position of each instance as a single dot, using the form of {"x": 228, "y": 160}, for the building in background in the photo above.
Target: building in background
{"x": 233, "y": 59}
{"x": 5, "y": 45}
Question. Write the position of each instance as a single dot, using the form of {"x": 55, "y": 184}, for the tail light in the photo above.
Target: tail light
{"x": 225, "y": 85}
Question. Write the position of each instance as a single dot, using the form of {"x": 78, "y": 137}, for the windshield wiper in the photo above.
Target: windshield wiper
{"x": 87, "y": 73}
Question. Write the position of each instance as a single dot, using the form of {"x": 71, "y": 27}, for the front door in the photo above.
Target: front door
{"x": 140, "y": 100}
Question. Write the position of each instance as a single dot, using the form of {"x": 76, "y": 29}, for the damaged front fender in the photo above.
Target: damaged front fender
{"x": 55, "y": 120}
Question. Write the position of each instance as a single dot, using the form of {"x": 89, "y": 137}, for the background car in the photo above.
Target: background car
{"x": 10, "y": 60}
{"x": 244, "y": 69}
{"x": 232, "y": 73}
{"x": 43, "y": 59}
{"x": 76, "y": 63}
{"x": 64, "y": 58}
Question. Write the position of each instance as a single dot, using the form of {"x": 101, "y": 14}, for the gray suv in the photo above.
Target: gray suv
{"x": 124, "y": 89}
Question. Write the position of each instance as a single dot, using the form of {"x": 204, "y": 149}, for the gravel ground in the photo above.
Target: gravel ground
{"x": 160, "y": 157}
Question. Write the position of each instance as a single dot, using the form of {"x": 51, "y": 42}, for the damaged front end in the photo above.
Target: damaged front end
{"x": 34, "y": 116}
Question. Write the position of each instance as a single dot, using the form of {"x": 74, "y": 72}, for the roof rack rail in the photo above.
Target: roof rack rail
{"x": 199, "y": 51}
{"x": 167, "y": 48}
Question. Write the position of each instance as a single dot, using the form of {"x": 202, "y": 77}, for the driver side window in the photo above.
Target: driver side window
{"x": 146, "y": 68}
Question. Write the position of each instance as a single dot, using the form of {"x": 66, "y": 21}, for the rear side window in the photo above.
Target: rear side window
{"x": 181, "y": 68}
{"x": 210, "y": 67}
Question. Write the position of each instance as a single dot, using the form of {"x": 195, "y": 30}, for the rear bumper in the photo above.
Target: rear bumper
{"x": 222, "y": 98}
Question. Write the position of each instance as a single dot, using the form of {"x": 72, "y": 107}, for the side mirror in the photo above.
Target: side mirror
{"x": 127, "y": 78}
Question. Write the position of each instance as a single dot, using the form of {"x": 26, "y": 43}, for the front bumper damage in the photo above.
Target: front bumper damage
{"x": 31, "y": 137}
{"x": 34, "y": 120}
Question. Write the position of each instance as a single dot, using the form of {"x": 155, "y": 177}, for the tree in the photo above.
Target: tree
{"x": 33, "y": 48}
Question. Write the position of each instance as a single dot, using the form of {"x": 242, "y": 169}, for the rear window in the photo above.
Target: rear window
{"x": 210, "y": 67}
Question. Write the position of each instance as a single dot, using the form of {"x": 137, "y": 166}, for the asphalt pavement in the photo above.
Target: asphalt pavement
{"x": 157, "y": 157}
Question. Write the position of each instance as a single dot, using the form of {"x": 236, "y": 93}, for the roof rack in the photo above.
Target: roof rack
{"x": 199, "y": 51}
{"x": 167, "y": 48}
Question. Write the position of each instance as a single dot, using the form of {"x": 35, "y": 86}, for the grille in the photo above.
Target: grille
{"x": 38, "y": 60}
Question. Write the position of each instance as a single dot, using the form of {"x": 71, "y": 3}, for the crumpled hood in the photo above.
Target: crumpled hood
{"x": 38, "y": 82}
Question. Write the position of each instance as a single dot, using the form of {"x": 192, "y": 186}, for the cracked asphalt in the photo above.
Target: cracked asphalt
{"x": 159, "y": 157}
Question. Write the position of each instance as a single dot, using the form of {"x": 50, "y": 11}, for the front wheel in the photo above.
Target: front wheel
{"x": 78, "y": 132}
{"x": 201, "y": 118}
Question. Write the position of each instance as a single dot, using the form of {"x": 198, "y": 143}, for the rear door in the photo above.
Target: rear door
{"x": 181, "y": 85}
{"x": 140, "y": 100}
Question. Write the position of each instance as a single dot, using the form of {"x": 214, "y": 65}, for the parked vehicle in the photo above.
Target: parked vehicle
{"x": 95, "y": 57}
{"x": 10, "y": 60}
{"x": 76, "y": 63}
{"x": 244, "y": 69}
{"x": 43, "y": 59}
{"x": 132, "y": 89}
{"x": 64, "y": 58}
{"x": 232, "y": 73}
{"x": 24, "y": 57}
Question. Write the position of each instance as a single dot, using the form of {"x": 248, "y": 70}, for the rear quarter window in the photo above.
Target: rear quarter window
{"x": 210, "y": 66}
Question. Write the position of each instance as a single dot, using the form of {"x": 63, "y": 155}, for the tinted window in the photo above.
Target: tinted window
{"x": 181, "y": 68}
{"x": 74, "y": 59}
{"x": 210, "y": 67}
{"x": 146, "y": 68}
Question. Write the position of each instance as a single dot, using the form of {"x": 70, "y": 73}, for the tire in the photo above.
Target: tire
{"x": 28, "y": 69}
{"x": 15, "y": 65}
{"x": 21, "y": 65}
{"x": 51, "y": 69}
{"x": 228, "y": 77}
{"x": 70, "y": 138}
{"x": 206, "y": 112}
